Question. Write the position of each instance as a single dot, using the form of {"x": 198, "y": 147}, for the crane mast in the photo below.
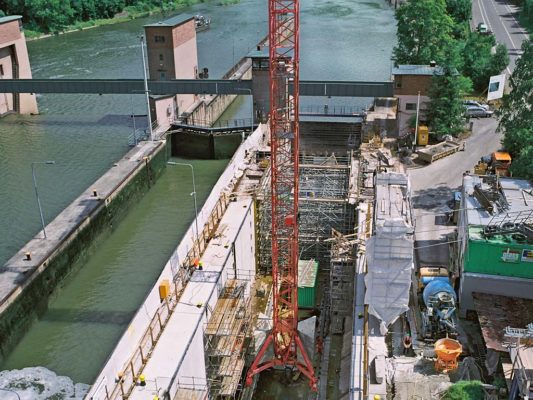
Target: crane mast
{"x": 284, "y": 141}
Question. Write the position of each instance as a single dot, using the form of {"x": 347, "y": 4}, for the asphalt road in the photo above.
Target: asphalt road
{"x": 501, "y": 18}
{"x": 432, "y": 191}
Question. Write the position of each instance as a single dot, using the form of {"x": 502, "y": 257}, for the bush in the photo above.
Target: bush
{"x": 465, "y": 390}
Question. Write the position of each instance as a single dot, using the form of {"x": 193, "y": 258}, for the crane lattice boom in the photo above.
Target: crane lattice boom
{"x": 284, "y": 142}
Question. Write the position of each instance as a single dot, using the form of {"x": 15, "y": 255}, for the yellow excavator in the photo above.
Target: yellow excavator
{"x": 497, "y": 163}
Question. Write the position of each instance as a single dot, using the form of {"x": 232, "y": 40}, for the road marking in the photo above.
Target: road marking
{"x": 484, "y": 14}
{"x": 501, "y": 20}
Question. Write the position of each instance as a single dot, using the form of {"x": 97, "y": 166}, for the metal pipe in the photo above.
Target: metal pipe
{"x": 37, "y": 192}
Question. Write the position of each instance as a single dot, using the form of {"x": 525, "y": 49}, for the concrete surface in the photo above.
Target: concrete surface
{"x": 432, "y": 190}
{"x": 178, "y": 359}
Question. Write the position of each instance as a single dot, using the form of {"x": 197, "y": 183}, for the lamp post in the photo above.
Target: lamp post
{"x": 193, "y": 194}
{"x": 36, "y": 191}
{"x": 11, "y": 391}
{"x": 416, "y": 122}
{"x": 251, "y": 113}
{"x": 146, "y": 90}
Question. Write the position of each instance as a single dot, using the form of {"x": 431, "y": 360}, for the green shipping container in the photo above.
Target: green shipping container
{"x": 307, "y": 271}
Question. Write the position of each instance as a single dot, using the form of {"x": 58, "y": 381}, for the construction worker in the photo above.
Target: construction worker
{"x": 407, "y": 344}
{"x": 200, "y": 265}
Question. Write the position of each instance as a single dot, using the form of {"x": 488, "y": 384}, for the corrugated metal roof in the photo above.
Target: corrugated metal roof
{"x": 307, "y": 270}
{"x": 495, "y": 313}
{"x": 172, "y": 21}
{"x": 9, "y": 18}
{"x": 417, "y": 70}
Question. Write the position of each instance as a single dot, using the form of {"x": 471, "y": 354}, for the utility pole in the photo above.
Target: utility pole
{"x": 416, "y": 122}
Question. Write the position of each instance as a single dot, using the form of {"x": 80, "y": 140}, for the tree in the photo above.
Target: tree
{"x": 445, "y": 111}
{"x": 424, "y": 31}
{"x": 459, "y": 10}
{"x": 516, "y": 114}
{"x": 479, "y": 62}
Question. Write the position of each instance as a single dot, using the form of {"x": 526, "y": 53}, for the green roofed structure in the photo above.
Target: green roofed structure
{"x": 495, "y": 238}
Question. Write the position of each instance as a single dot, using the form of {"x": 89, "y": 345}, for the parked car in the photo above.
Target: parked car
{"x": 478, "y": 112}
{"x": 473, "y": 103}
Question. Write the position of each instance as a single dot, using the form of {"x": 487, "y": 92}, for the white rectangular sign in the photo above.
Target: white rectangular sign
{"x": 496, "y": 86}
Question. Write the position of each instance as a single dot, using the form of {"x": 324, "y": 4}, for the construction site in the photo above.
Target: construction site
{"x": 304, "y": 282}
{"x": 305, "y": 274}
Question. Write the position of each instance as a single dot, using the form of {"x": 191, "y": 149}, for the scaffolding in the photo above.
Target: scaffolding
{"x": 341, "y": 278}
{"x": 227, "y": 336}
{"x": 324, "y": 186}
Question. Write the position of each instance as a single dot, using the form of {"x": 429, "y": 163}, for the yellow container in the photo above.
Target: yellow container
{"x": 423, "y": 135}
{"x": 164, "y": 289}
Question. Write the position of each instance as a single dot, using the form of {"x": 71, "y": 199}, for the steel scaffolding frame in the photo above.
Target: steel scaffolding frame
{"x": 324, "y": 184}
{"x": 227, "y": 336}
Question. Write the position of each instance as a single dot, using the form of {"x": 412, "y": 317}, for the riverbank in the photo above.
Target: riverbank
{"x": 130, "y": 13}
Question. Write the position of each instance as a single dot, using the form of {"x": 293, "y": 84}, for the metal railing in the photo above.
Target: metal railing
{"x": 335, "y": 110}
{"x": 127, "y": 379}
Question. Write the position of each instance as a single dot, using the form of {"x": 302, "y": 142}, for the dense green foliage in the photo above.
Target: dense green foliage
{"x": 446, "y": 111}
{"x": 424, "y": 31}
{"x": 439, "y": 30}
{"x": 516, "y": 114}
{"x": 465, "y": 390}
{"x": 527, "y": 10}
{"x": 56, "y": 15}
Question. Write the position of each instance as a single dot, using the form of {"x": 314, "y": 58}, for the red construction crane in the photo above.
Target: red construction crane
{"x": 284, "y": 47}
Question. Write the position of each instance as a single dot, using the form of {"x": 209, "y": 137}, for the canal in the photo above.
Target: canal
{"x": 86, "y": 134}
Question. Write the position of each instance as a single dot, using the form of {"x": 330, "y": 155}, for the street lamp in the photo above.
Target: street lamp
{"x": 35, "y": 187}
{"x": 193, "y": 194}
{"x": 11, "y": 391}
{"x": 251, "y": 113}
{"x": 146, "y": 90}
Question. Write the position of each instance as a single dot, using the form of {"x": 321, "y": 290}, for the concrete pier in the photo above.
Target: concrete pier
{"x": 32, "y": 274}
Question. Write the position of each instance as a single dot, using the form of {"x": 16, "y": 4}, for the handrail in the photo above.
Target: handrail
{"x": 134, "y": 367}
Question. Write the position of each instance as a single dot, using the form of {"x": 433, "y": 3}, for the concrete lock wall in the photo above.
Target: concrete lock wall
{"x": 129, "y": 341}
{"x": 32, "y": 300}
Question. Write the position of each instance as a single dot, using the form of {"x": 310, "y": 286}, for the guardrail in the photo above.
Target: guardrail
{"x": 127, "y": 379}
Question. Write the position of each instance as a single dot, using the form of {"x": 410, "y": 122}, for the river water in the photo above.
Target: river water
{"x": 86, "y": 134}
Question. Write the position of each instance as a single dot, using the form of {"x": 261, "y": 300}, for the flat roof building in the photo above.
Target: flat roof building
{"x": 495, "y": 238}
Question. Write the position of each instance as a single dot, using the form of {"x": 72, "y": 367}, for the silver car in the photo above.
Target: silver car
{"x": 478, "y": 112}
{"x": 473, "y": 103}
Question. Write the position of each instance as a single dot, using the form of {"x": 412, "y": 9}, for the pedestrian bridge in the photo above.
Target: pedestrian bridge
{"x": 189, "y": 86}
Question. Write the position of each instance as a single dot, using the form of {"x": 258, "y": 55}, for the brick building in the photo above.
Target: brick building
{"x": 14, "y": 64}
{"x": 409, "y": 80}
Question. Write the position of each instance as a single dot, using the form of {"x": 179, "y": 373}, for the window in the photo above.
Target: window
{"x": 398, "y": 82}
{"x": 410, "y": 106}
{"x": 1, "y": 70}
{"x": 159, "y": 39}
{"x": 160, "y": 57}
{"x": 162, "y": 75}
